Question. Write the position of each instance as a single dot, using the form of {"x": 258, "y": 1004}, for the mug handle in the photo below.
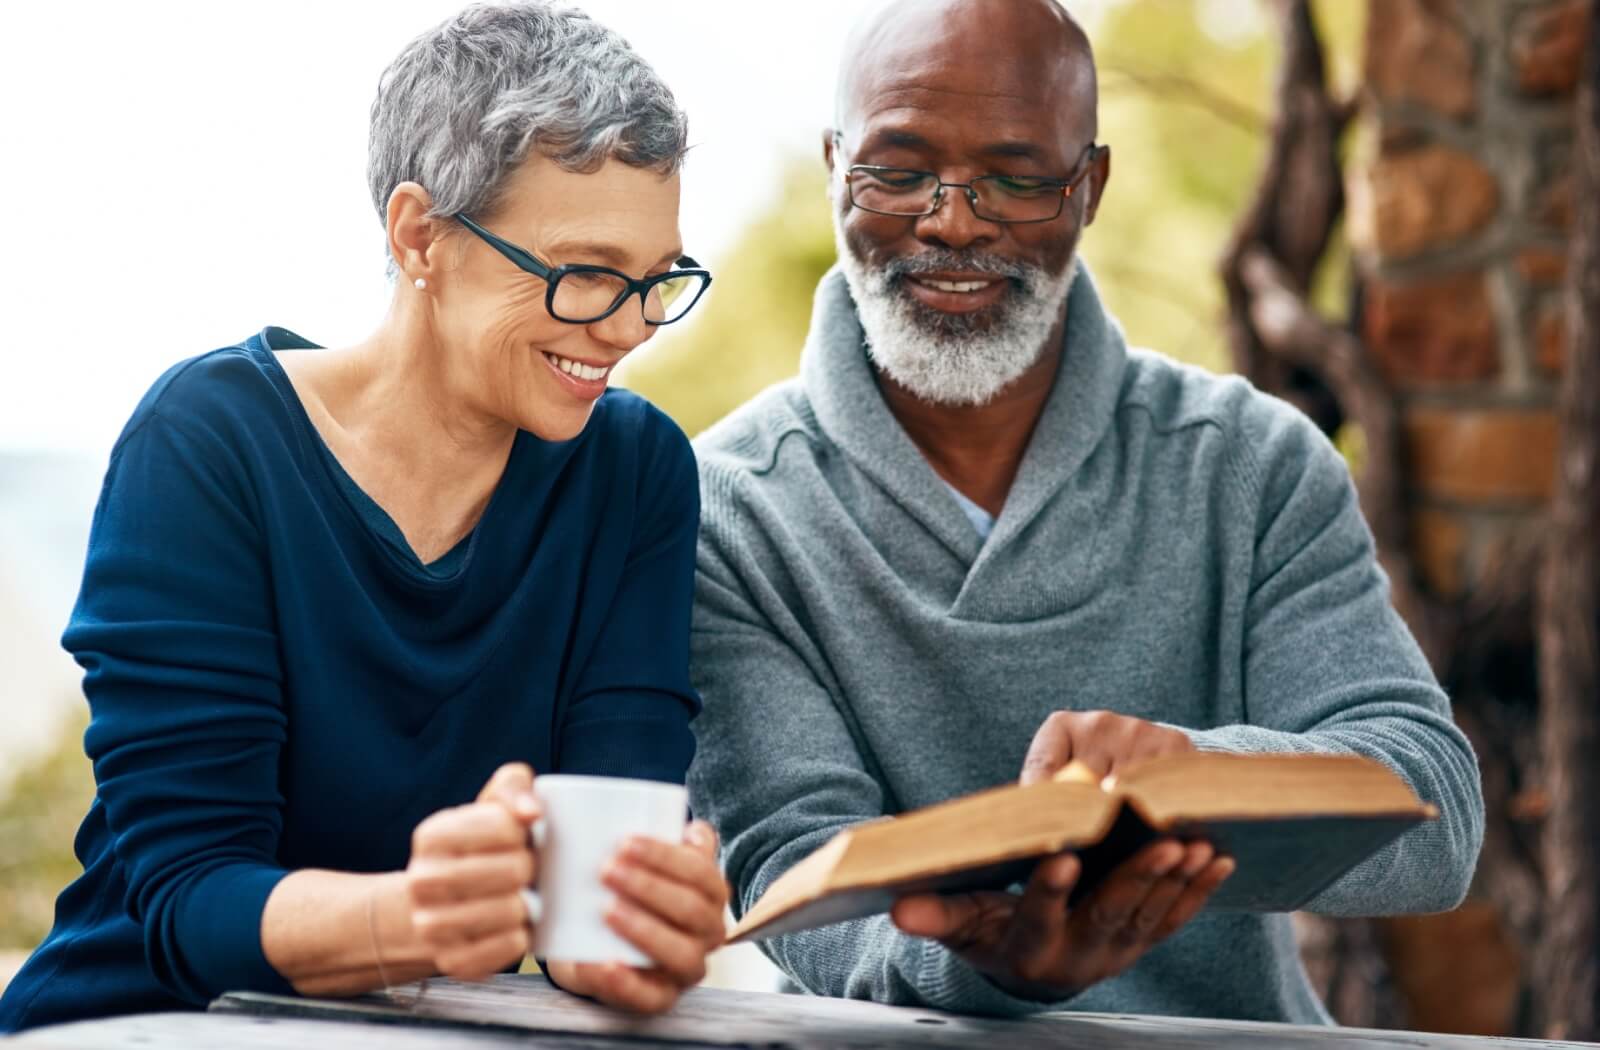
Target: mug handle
{"x": 533, "y": 904}
{"x": 531, "y": 901}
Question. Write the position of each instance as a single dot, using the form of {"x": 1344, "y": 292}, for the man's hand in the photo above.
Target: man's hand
{"x": 1035, "y": 946}
{"x": 1105, "y": 742}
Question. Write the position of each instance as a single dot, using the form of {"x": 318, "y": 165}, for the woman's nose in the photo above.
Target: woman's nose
{"x": 624, "y": 329}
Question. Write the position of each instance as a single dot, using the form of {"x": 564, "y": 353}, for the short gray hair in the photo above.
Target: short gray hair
{"x": 465, "y": 102}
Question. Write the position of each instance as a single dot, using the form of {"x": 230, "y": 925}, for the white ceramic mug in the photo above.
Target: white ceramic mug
{"x": 586, "y": 820}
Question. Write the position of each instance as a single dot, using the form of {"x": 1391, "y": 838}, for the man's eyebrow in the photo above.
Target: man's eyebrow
{"x": 1024, "y": 150}
{"x": 896, "y": 138}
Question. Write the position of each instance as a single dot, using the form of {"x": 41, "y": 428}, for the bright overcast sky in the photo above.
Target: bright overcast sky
{"x": 181, "y": 174}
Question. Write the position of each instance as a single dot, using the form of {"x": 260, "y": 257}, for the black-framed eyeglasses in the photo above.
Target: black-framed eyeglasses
{"x": 583, "y": 294}
{"x": 909, "y": 193}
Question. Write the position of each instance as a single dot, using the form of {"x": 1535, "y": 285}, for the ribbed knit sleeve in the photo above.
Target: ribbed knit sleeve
{"x": 1330, "y": 667}
{"x": 174, "y": 630}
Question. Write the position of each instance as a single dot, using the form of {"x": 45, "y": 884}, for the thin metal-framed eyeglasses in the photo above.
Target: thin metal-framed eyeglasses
{"x": 909, "y": 193}
{"x": 584, "y": 294}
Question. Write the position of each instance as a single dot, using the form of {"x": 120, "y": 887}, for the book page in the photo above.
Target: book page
{"x": 987, "y": 828}
{"x": 1209, "y": 786}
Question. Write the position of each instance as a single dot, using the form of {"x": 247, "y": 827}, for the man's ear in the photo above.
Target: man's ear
{"x": 829, "y": 137}
{"x": 1099, "y": 175}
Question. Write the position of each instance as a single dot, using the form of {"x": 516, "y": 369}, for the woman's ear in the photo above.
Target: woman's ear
{"x": 412, "y": 232}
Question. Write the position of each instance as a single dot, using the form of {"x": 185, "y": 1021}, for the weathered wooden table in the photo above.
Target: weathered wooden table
{"x": 526, "y": 1012}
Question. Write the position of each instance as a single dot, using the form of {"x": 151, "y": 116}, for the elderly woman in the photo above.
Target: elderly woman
{"x": 339, "y": 603}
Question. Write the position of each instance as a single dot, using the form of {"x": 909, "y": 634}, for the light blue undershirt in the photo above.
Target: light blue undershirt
{"x": 981, "y": 519}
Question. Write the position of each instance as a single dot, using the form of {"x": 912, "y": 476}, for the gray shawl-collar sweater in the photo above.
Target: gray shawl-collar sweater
{"x": 1177, "y": 546}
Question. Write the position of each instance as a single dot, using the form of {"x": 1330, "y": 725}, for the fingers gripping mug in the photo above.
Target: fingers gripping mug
{"x": 586, "y": 820}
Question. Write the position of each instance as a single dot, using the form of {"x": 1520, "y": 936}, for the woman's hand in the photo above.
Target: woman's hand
{"x": 468, "y": 867}
{"x": 670, "y": 901}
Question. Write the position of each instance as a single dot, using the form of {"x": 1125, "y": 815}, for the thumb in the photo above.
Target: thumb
{"x": 934, "y": 917}
{"x": 512, "y": 787}
{"x": 1052, "y": 748}
{"x": 700, "y": 835}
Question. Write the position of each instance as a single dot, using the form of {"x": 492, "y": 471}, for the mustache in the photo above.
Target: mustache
{"x": 936, "y": 260}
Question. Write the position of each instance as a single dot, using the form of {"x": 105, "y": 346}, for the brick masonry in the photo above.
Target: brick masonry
{"x": 1460, "y": 219}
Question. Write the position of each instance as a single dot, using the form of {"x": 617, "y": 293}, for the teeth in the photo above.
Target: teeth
{"x": 578, "y": 369}
{"x": 957, "y": 286}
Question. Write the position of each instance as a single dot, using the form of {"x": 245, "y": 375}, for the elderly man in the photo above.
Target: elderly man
{"x": 980, "y": 537}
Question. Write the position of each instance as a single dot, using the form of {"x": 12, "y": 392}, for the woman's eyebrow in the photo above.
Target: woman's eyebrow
{"x": 611, "y": 255}
{"x": 607, "y": 254}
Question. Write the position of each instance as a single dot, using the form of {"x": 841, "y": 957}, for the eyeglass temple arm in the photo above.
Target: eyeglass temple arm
{"x": 522, "y": 258}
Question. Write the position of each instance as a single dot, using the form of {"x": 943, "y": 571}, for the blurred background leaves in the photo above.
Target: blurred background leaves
{"x": 1184, "y": 104}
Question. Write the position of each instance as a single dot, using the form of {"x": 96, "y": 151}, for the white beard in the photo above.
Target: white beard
{"x": 955, "y": 359}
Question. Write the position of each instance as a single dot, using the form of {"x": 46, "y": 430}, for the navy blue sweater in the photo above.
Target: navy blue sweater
{"x": 275, "y": 685}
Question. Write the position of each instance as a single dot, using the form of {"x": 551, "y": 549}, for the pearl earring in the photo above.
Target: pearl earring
{"x": 421, "y": 283}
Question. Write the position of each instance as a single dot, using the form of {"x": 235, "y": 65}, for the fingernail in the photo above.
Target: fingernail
{"x": 538, "y": 833}
{"x": 527, "y": 804}
{"x": 1228, "y": 867}
{"x": 1197, "y": 863}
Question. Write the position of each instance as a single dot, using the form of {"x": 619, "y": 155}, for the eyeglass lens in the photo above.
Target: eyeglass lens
{"x": 999, "y": 197}
{"x": 586, "y": 296}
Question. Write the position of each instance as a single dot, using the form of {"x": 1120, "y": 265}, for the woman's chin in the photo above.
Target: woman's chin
{"x": 556, "y": 422}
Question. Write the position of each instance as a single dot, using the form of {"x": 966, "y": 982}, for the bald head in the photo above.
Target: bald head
{"x": 1025, "y": 54}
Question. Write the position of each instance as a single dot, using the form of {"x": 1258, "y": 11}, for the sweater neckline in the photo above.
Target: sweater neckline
{"x": 840, "y": 384}
{"x": 391, "y": 541}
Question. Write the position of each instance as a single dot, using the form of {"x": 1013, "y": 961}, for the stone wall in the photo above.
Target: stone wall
{"x": 1460, "y": 215}
{"x": 1461, "y": 220}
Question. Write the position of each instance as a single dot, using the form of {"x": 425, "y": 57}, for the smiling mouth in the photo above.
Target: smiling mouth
{"x": 577, "y": 369}
{"x": 964, "y": 287}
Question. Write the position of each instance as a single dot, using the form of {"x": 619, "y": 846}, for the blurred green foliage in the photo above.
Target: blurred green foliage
{"x": 1185, "y": 101}
{"x": 1185, "y": 104}
{"x": 38, "y": 817}
{"x": 747, "y": 334}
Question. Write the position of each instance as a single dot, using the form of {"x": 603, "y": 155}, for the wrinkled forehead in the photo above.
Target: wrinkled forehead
{"x": 942, "y": 78}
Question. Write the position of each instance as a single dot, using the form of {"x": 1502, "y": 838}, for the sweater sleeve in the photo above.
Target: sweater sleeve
{"x": 633, "y": 701}
{"x": 1330, "y": 667}
{"x": 174, "y": 629}
{"x": 766, "y": 710}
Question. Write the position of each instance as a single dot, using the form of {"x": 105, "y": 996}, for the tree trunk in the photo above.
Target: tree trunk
{"x": 1569, "y": 617}
{"x": 1516, "y": 646}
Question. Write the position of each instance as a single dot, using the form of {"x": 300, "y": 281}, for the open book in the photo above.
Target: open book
{"x": 1292, "y": 823}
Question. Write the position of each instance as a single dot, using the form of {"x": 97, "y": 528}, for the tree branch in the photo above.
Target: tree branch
{"x": 1285, "y": 326}
{"x": 1181, "y": 87}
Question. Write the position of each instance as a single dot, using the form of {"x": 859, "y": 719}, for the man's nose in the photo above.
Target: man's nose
{"x": 954, "y": 222}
